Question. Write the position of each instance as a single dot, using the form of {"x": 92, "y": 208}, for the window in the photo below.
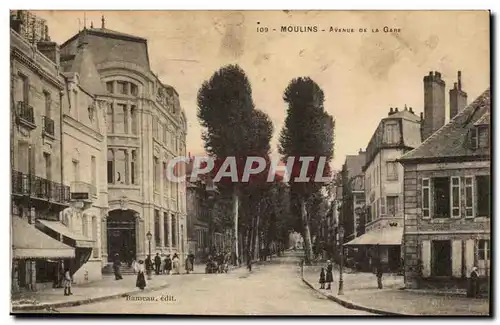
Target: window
{"x": 121, "y": 167}
{"x": 133, "y": 164}
{"x": 110, "y": 118}
{"x": 391, "y": 133}
{"x": 483, "y": 195}
{"x": 25, "y": 88}
{"x": 48, "y": 166}
{"x": 48, "y": 102}
{"x": 76, "y": 170}
{"x": 426, "y": 197}
{"x": 174, "y": 231}
{"x": 483, "y": 139}
{"x": 95, "y": 251}
{"x": 93, "y": 171}
{"x": 441, "y": 258}
{"x": 133, "y": 116}
{"x": 455, "y": 196}
{"x": 483, "y": 250}
{"x": 392, "y": 205}
{"x": 359, "y": 200}
{"x": 111, "y": 171}
{"x": 392, "y": 171}
{"x": 109, "y": 87}
{"x": 441, "y": 199}
{"x": 382, "y": 206}
{"x": 134, "y": 90}
{"x": 121, "y": 122}
{"x": 156, "y": 166}
{"x": 166, "y": 230}
{"x": 122, "y": 87}
{"x": 157, "y": 228}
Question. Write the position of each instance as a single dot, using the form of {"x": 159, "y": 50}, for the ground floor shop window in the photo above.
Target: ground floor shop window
{"x": 483, "y": 256}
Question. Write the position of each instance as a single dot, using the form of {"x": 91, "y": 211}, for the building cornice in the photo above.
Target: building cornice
{"x": 82, "y": 128}
{"x": 23, "y": 58}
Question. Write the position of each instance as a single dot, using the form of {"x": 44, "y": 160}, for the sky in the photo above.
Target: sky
{"x": 362, "y": 74}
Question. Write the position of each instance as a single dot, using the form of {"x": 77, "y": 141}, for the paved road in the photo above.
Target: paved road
{"x": 271, "y": 289}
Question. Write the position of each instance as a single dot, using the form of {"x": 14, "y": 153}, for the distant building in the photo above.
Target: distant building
{"x": 353, "y": 194}
{"x": 447, "y": 193}
{"x": 395, "y": 135}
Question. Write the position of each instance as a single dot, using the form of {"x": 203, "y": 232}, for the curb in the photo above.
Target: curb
{"x": 81, "y": 301}
{"x": 351, "y": 305}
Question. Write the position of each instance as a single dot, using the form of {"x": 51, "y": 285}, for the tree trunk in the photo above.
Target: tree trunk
{"x": 248, "y": 245}
{"x": 256, "y": 238}
{"x": 235, "y": 199}
{"x": 306, "y": 233}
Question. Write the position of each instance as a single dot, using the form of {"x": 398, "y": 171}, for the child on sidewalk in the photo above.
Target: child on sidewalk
{"x": 322, "y": 278}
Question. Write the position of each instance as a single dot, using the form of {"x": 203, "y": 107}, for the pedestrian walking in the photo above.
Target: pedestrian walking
{"x": 157, "y": 264}
{"x": 176, "y": 264}
{"x": 148, "y": 265}
{"x": 116, "y": 268}
{"x": 379, "y": 272}
{"x": 168, "y": 264}
{"x": 134, "y": 266}
{"x": 473, "y": 289}
{"x": 188, "y": 265}
{"x": 322, "y": 278}
{"x": 141, "y": 279}
{"x": 329, "y": 274}
{"x": 191, "y": 258}
{"x": 67, "y": 282}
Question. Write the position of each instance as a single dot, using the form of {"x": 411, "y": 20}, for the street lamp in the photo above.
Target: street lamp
{"x": 341, "y": 280}
{"x": 149, "y": 236}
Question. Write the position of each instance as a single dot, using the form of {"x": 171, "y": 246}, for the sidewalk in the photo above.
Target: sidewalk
{"x": 107, "y": 288}
{"x": 360, "y": 292}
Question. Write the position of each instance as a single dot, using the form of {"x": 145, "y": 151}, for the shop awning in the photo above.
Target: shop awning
{"x": 80, "y": 240}
{"x": 385, "y": 236}
{"x": 29, "y": 242}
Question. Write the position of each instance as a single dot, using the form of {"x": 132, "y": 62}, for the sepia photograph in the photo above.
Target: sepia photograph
{"x": 250, "y": 163}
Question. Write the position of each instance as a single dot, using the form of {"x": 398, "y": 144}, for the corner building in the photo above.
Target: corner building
{"x": 145, "y": 128}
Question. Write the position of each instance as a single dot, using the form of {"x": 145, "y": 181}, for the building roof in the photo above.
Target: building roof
{"x": 83, "y": 64}
{"x": 109, "y": 32}
{"x": 354, "y": 164}
{"x": 451, "y": 140}
{"x": 404, "y": 114}
{"x": 483, "y": 120}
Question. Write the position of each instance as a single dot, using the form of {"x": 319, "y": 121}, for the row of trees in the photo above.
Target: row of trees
{"x": 264, "y": 213}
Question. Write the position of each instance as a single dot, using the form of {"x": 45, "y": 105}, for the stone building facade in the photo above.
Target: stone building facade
{"x": 37, "y": 189}
{"x": 145, "y": 129}
{"x": 448, "y": 200}
{"x": 395, "y": 135}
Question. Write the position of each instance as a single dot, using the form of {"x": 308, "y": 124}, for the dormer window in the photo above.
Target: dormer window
{"x": 479, "y": 137}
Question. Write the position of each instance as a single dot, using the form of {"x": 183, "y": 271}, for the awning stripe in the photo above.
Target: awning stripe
{"x": 385, "y": 236}
{"x": 29, "y": 242}
{"x": 81, "y": 241}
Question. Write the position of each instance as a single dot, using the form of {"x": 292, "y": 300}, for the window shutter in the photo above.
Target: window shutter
{"x": 469, "y": 255}
{"x": 469, "y": 197}
{"x": 426, "y": 258}
{"x": 426, "y": 198}
{"x": 456, "y": 258}
{"x": 455, "y": 197}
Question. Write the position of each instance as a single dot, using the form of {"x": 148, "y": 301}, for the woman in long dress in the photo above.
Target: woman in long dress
{"x": 175, "y": 263}
{"x": 141, "y": 279}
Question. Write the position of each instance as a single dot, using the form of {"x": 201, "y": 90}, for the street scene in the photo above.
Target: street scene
{"x": 272, "y": 164}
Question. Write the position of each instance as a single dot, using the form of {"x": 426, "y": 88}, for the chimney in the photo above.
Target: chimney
{"x": 102, "y": 22}
{"x": 360, "y": 151}
{"x": 434, "y": 104}
{"x": 396, "y": 110}
{"x": 48, "y": 48}
{"x": 391, "y": 111}
{"x": 16, "y": 21}
{"x": 458, "y": 97}
{"x": 406, "y": 107}
{"x": 411, "y": 110}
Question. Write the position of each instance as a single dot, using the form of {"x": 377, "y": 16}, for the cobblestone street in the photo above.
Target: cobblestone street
{"x": 274, "y": 288}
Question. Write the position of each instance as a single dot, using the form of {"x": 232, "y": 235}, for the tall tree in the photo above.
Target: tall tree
{"x": 232, "y": 126}
{"x": 308, "y": 131}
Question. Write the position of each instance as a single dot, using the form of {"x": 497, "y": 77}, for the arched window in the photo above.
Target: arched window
{"x": 134, "y": 90}
{"x": 111, "y": 163}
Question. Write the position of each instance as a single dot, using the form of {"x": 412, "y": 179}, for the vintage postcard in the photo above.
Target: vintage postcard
{"x": 250, "y": 162}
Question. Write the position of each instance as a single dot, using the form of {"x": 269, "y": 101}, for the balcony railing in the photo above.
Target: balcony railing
{"x": 48, "y": 125}
{"x": 83, "y": 191}
{"x": 38, "y": 187}
{"x": 25, "y": 112}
